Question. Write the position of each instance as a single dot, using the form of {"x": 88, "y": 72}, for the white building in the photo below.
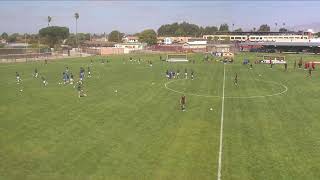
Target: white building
{"x": 167, "y": 40}
{"x": 131, "y": 39}
{"x": 129, "y": 47}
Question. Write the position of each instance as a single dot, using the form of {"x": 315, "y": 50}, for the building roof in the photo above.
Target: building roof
{"x": 301, "y": 44}
{"x": 258, "y": 33}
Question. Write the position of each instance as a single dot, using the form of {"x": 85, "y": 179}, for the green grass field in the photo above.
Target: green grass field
{"x": 271, "y": 121}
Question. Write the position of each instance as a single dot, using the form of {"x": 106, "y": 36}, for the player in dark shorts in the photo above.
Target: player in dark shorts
{"x": 80, "y": 90}
{"x": 91, "y": 62}
{"x": 45, "y": 62}
{"x": 18, "y": 78}
{"x": 35, "y": 73}
{"x": 300, "y": 63}
{"x": 192, "y": 73}
{"x": 178, "y": 73}
{"x": 250, "y": 65}
{"x": 236, "y": 79}
{"x": 183, "y": 102}
{"x": 44, "y": 81}
{"x": 310, "y": 71}
{"x": 89, "y": 72}
{"x": 295, "y": 64}
{"x": 285, "y": 66}
{"x": 71, "y": 78}
{"x": 186, "y": 73}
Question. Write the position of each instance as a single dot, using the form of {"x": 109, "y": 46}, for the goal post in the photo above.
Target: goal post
{"x": 177, "y": 58}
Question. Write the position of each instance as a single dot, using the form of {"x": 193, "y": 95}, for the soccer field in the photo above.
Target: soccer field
{"x": 130, "y": 125}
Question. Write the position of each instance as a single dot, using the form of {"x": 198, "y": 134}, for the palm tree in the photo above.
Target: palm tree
{"x": 49, "y": 20}
{"x": 76, "y": 15}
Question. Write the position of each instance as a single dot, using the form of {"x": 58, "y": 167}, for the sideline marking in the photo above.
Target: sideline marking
{"x": 221, "y": 124}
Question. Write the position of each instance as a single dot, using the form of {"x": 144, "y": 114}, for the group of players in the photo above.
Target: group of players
{"x": 176, "y": 74}
{"x": 67, "y": 78}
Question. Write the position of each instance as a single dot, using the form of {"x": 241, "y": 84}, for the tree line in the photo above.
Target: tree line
{"x": 53, "y": 36}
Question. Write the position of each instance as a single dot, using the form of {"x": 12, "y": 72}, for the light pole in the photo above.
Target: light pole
{"x": 76, "y": 15}
{"x": 25, "y": 45}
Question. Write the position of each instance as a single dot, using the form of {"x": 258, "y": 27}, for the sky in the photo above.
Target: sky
{"x": 135, "y": 16}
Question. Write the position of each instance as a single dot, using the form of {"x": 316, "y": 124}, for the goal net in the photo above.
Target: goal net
{"x": 177, "y": 58}
{"x": 274, "y": 59}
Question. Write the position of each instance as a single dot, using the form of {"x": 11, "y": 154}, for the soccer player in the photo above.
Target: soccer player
{"x": 313, "y": 65}
{"x": 300, "y": 63}
{"x": 81, "y": 74}
{"x": 80, "y": 90}
{"x": 285, "y": 66}
{"x": 310, "y": 71}
{"x": 18, "y": 78}
{"x": 236, "y": 79}
{"x": 89, "y": 72}
{"x": 36, "y": 73}
{"x": 178, "y": 73}
{"x": 71, "y": 78}
{"x": 250, "y": 65}
{"x": 183, "y": 102}
{"x": 295, "y": 64}
{"x": 167, "y": 74}
{"x": 192, "y": 73}
{"x": 46, "y": 62}
{"x": 91, "y": 62}
{"x": 64, "y": 77}
{"x": 186, "y": 73}
{"x": 44, "y": 81}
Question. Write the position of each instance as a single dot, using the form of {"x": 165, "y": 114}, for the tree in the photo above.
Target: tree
{"x": 238, "y": 30}
{"x": 224, "y": 28}
{"x": 115, "y": 36}
{"x": 13, "y": 37}
{"x": 76, "y": 16}
{"x": 54, "y": 35}
{"x": 82, "y": 37}
{"x": 210, "y": 30}
{"x": 4, "y": 36}
{"x": 49, "y": 20}
{"x": 264, "y": 28}
{"x": 182, "y": 29}
{"x": 283, "y": 30}
{"x": 148, "y": 36}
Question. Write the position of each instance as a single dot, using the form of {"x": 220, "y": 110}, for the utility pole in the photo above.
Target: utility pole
{"x": 25, "y": 44}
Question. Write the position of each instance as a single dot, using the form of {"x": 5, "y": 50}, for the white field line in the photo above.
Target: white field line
{"x": 285, "y": 89}
{"x": 221, "y": 125}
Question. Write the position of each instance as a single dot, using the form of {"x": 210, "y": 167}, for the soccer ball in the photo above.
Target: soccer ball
{"x": 21, "y": 90}
{"x": 260, "y": 75}
{"x": 115, "y": 91}
{"x": 211, "y": 109}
